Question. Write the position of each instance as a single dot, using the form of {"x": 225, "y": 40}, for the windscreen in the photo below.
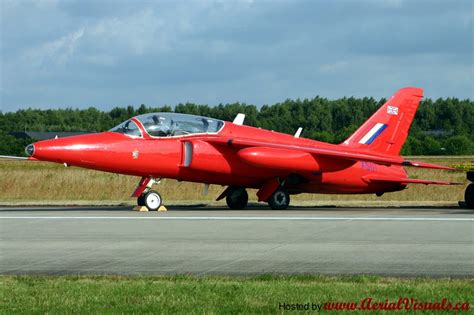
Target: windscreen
{"x": 128, "y": 127}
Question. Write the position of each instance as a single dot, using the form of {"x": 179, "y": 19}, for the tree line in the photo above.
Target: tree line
{"x": 441, "y": 127}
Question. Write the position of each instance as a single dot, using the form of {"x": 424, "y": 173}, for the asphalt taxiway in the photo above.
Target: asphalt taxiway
{"x": 409, "y": 242}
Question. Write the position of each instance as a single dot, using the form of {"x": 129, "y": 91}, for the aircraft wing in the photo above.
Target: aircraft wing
{"x": 404, "y": 180}
{"x": 343, "y": 153}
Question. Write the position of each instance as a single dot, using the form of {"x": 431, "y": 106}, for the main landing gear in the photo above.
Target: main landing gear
{"x": 273, "y": 192}
{"x": 237, "y": 198}
{"x": 279, "y": 200}
{"x": 469, "y": 193}
{"x": 469, "y": 196}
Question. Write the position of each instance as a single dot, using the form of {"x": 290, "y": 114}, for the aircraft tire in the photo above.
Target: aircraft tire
{"x": 141, "y": 200}
{"x": 152, "y": 200}
{"x": 279, "y": 200}
{"x": 235, "y": 200}
{"x": 469, "y": 196}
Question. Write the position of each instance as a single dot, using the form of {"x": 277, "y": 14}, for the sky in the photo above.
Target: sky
{"x": 107, "y": 53}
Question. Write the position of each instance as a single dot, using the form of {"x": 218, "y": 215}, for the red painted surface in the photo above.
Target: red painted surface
{"x": 141, "y": 186}
{"x": 267, "y": 189}
{"x": 250, "y": 157}
{"x": 282, "y": 159}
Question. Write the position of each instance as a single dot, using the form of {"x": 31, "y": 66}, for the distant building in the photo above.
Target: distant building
{"x": 37, "y": 135}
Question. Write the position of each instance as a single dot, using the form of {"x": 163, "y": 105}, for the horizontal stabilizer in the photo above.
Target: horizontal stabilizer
{"x": 427, "y": 165}
{"x": 404, "y": 180}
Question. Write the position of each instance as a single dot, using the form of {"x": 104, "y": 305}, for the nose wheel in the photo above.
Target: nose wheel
{"x": 279, "y": 200}
{"x": 151, "y": 199}
{"x": 146, "y": 197}
{"x": 141, "y": 200}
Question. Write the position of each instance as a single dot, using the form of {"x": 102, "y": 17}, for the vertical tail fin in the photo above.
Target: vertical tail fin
{"x": 386, "y": 131}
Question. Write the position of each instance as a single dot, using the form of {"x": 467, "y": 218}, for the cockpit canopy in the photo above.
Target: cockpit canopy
{"x": 171, "y": 124}
{"x": 128, "y": 127}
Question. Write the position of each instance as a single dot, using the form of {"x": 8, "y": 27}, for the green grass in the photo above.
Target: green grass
{"x": 189, "y": 294}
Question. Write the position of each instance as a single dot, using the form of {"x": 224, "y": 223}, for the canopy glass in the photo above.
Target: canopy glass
{"x": 171, "y": 124}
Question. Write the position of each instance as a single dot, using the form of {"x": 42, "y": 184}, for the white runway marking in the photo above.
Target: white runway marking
{"x": 230, "y": 218}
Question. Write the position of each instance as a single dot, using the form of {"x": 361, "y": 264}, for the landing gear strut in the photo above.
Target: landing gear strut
{"x": 146, "y": 196}
{"x": 279, "y": 200}
{"x": 237, "y": 198}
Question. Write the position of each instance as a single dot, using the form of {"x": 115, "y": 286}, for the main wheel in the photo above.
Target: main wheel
{"x": 152, "y": 200}
{"x": 280, "y": 200}
{"x": 469, "y": 196}
{"x": 237, "y": 198}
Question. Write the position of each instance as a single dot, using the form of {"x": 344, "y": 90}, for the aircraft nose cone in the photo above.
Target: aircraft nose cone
{"x": 30, "y": 149}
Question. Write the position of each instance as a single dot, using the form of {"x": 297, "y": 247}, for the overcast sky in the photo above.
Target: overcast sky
{"x": 113, "y": 53}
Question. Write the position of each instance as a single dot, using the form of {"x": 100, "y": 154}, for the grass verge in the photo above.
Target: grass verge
{"x": 190, "y": 294}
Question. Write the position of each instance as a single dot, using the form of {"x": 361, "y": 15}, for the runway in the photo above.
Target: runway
{"x": 404, "y": 242}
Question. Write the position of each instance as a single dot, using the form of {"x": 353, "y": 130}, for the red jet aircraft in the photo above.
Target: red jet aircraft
{"x": 211, "y": 151}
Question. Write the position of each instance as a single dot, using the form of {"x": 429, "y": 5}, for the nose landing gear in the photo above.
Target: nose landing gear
{"x": 151, "y": 199}
{"x": 146, "y": 197}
